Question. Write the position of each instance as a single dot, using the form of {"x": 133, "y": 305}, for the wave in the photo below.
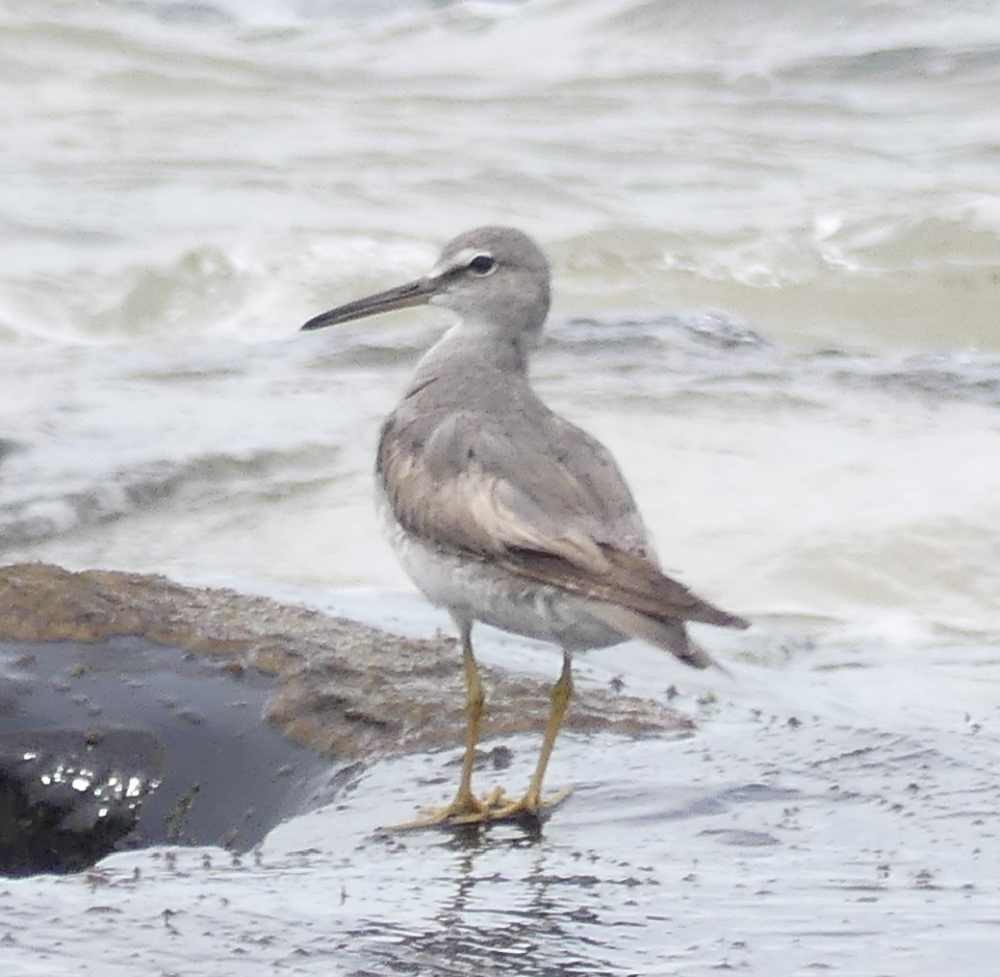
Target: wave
{"x": 917, "y": 282}
{"x": 715, "y": 349}
{"x": 201, "y": 481}
{"x": 719, "y": 42}
{"x": 193, "y": 171}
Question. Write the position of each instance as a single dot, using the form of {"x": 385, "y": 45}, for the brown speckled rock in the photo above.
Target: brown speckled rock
{"x": 344, "y": 689}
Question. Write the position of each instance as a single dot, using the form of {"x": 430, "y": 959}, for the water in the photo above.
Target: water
{"x": 776, "y": 245}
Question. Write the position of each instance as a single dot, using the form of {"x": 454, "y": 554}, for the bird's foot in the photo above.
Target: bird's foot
{"x": 464, "y": 809}
{"x": 492, "y": 808}
{"x": 531, "y": 807}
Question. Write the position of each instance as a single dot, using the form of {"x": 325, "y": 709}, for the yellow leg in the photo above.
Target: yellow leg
{"x": 465, "y": 808}
{"x": 475, "y": 698}
{"x": 496, "y": 806}
{"x": 562, "y": 692}
{"x": 531, "y": 803}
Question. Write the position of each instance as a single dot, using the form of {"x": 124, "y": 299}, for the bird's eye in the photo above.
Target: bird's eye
{"x": 482, "y": 264}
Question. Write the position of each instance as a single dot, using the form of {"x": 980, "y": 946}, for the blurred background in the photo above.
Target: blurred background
{"x": 775, "y": 233}
{"x": 775, "y": 237}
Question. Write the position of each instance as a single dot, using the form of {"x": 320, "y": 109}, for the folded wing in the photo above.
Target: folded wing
{"x": 547, "y": 503}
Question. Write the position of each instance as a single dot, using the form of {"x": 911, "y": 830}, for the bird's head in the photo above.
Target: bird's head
{"x": 495, "y": 278}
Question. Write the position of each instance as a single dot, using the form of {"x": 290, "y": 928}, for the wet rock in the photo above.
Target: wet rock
{"x": 112, "y": 678}
{"x": 61, "y": 812}
{"x": 125, "y": 743}
{"x": 344, "y": 689}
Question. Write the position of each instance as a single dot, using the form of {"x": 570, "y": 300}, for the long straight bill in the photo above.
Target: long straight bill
{"x": 401, "y": 297}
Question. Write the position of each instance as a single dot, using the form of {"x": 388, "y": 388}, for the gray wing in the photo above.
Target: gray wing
{"x": 595, "y": 473}
{"x": 544, "y": 500}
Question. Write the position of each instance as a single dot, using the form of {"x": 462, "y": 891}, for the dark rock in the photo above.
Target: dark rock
{"x": 74, "y": 786}
{"x": 135, "y": 679}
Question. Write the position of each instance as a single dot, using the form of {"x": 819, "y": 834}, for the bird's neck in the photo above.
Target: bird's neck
{"x": 471, "y": 349}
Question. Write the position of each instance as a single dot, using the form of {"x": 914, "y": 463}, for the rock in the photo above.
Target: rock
{"x": 133, "y": 676}
{"x": 59, "y": 812}
{"x": 344, "y": 689}
{"x": 125, "y": 743}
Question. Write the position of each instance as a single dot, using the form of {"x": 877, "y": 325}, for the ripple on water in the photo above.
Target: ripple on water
{"x": 759, "y": 843}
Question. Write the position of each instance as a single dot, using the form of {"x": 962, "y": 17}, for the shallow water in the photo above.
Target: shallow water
{"x": 776, "y": 839}
{"x": 776, "y": 247}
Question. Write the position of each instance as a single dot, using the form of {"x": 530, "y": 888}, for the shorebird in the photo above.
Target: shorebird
{"x": 504, "y": 512}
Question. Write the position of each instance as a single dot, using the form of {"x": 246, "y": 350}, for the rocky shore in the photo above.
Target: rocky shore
{"x": 135, "y": 710}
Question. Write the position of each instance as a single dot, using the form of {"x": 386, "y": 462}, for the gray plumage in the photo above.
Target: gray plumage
{"x": 501, "y": 510}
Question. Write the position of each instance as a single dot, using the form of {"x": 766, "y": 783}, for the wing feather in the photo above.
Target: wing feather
{"x": 547, "y": 503}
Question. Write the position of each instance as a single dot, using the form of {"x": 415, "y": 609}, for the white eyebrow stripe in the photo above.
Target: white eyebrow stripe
{"x": 460, "y": 259}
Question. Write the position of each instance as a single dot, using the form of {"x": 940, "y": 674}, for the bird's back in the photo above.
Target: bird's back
{"x": 478, "y": 464}
{"x": 486, "y": 430}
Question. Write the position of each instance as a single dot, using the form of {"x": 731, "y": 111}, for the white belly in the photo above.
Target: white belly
{"x": 474, "y": 590}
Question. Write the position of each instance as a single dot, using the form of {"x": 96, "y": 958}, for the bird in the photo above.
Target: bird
{"x": 505, "y": 513}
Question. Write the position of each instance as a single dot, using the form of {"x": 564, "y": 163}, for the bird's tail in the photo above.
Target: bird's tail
{"x": 670, "y": 635}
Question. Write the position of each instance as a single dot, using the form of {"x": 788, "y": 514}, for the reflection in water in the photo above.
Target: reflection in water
{"x": 758, "y": 845}
{"x": 490, "y": 922}
{"x": 760, "y": 842}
